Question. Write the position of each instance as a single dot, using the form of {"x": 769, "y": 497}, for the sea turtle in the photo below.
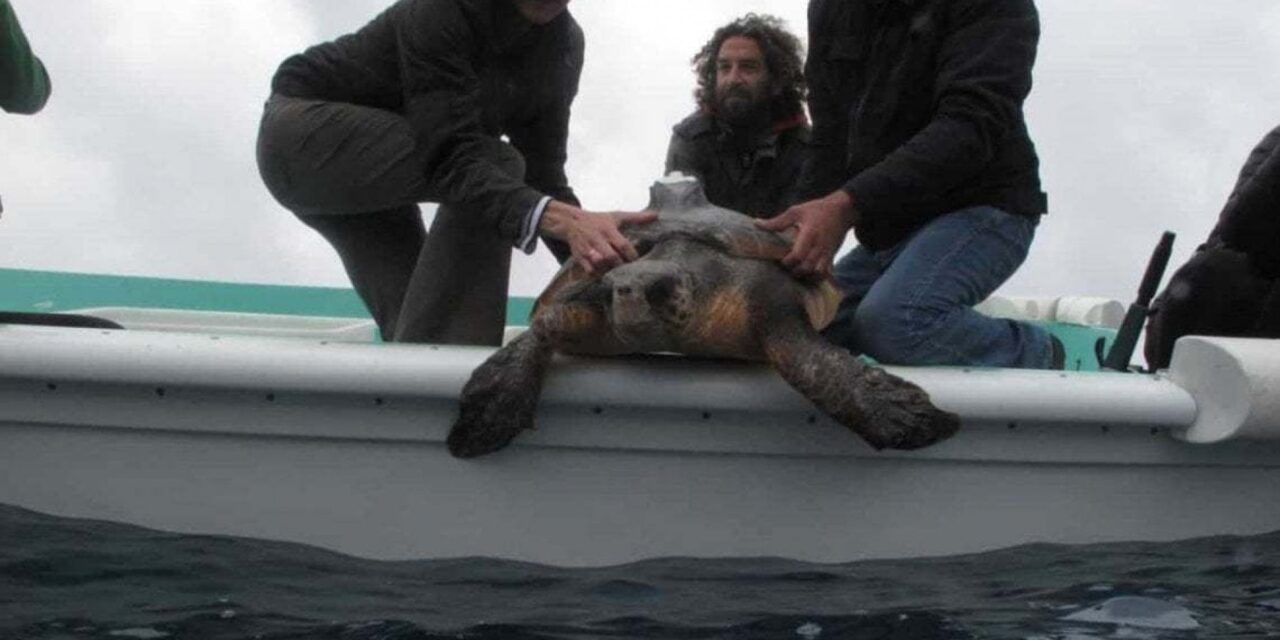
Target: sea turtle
{"x": 707, "y": 283}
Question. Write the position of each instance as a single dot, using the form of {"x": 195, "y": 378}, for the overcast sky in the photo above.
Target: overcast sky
{"x": 143, "y": 161}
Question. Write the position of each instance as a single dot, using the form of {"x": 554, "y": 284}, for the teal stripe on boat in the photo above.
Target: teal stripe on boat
{"x": 51, "y": 292}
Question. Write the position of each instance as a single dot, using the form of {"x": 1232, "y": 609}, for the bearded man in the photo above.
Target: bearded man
{"x": 746, "y": 143}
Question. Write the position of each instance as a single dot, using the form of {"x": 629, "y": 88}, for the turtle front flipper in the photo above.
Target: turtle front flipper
{"x": 885, "y": 410}
{"x": 500, "y": 399}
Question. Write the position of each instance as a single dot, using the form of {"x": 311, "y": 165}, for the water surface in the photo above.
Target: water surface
{"x": 76, "y": 579}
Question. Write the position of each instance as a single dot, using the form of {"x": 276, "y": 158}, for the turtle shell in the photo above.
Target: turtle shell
{"x": 685, "y": 213}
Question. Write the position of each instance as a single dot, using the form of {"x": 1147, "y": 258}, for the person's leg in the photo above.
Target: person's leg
{"x": 458, "y": 292}
{"x": 353, "y": 173}
{"x": 350, "y": 173}
{"x": 333, "y": 158}
{"x": 379, "y": 251}
{"x": 854, "y": 274}
{"x": 920, "y": 311}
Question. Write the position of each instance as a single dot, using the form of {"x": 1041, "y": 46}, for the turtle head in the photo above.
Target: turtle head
{"x": 651, "y": 301}
{"x": 677, "y": 192}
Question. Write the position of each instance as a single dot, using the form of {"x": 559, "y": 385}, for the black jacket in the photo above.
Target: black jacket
{"x": 1231, "y": 284}
{"x": 758, "y": 177}
{"x": 459, "y": 71}
{"x": 1250, "y": 221}
{"x": 917, "y": 109}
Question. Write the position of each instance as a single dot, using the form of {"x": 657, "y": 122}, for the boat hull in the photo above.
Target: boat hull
{"x": 341, "y": 446}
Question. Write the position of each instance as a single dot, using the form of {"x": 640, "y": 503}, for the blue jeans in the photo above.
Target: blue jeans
{"x": 912, "y": 304}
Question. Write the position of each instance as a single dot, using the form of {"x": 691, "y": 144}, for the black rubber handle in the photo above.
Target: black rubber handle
{"x": 1155, "y": 269}
{"x": 1121, "y": 351}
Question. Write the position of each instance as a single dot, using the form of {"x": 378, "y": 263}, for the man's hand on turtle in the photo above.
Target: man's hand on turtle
{"x": 593, "y": 238}
{"x": 818, "y": 228}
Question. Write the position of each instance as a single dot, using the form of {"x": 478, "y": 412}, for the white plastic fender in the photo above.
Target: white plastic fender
{"x": 1235, "y": 383}
{"x": 1082, "y": 310}
{"x": 1096, "y": 312}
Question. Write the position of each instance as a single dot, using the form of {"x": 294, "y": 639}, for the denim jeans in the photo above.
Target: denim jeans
{"x": 912, "y": 304}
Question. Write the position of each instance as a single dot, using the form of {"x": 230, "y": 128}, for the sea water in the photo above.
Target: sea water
{"x": 75, "y": 579}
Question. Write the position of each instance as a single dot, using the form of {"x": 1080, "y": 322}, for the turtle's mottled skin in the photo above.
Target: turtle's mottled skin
{"x": 708, "y": 283}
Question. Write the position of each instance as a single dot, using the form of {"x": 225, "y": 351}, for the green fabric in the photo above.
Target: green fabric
{"x": 24, "y": 83}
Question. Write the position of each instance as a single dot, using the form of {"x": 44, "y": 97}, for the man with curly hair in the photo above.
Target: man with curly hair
{"x": 920, "y": 146}
{"x": 747, "y": 141}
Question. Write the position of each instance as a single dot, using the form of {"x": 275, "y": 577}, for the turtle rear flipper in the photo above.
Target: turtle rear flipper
{"x": 885, "y": 410}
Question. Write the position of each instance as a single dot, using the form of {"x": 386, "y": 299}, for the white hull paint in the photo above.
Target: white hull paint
{"x": 340, "y": 445}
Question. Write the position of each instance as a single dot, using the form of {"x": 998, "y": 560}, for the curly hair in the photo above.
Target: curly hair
{"x": 783, "y": 57}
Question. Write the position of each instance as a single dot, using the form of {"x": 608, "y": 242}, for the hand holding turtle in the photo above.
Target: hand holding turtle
{"x": 593, "y": 237}
{"x": 820, "y": 226}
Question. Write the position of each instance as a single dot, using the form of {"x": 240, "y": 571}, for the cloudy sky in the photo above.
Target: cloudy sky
{"x": 143, "y": 161}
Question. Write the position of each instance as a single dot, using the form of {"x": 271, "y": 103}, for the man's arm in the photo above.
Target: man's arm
{"x": 799, "y": 158}
{"x": 984, "y": 75}
{"x": 24, "y": 83}
{"x": 1250, "y": 220}
{"x": 442, "y": 102}
{"x": 822, "y": 171}
{"x": 442, "y": 94}
{"x": 544, "y": 143}
{"x": 824, "y": 213}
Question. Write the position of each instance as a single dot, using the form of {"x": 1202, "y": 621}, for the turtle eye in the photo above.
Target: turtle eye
{"x": 660, "y": 290}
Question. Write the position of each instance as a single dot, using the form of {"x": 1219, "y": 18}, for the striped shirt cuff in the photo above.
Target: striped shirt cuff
{"x": 529, "y": 232}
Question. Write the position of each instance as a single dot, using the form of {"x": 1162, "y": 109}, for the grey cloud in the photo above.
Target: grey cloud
{"x": 143, "y": 163}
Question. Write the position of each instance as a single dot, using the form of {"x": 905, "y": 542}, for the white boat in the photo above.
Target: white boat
{"x": 305, "y": 429}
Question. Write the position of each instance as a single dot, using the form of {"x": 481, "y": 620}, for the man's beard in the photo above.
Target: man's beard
{"x": 738, "y": 107}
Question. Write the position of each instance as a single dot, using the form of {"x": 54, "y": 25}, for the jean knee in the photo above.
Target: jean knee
{"x": 895, "y": 333}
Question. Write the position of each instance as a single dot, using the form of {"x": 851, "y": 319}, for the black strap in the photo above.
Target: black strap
{"x": 56, "y": 320}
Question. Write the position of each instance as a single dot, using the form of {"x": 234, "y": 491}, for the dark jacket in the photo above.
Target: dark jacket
{"x": 460, "y": 71}
{"x": 917, "y": 109}
{"x": 757, "y": 177}
{"x": 1250, "y": 220}
{"x": 1231, "y": 284}
{"x": 24, "y": 83}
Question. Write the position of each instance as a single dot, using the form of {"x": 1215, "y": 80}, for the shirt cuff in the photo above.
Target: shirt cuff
{"x": 529, "y": 231}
